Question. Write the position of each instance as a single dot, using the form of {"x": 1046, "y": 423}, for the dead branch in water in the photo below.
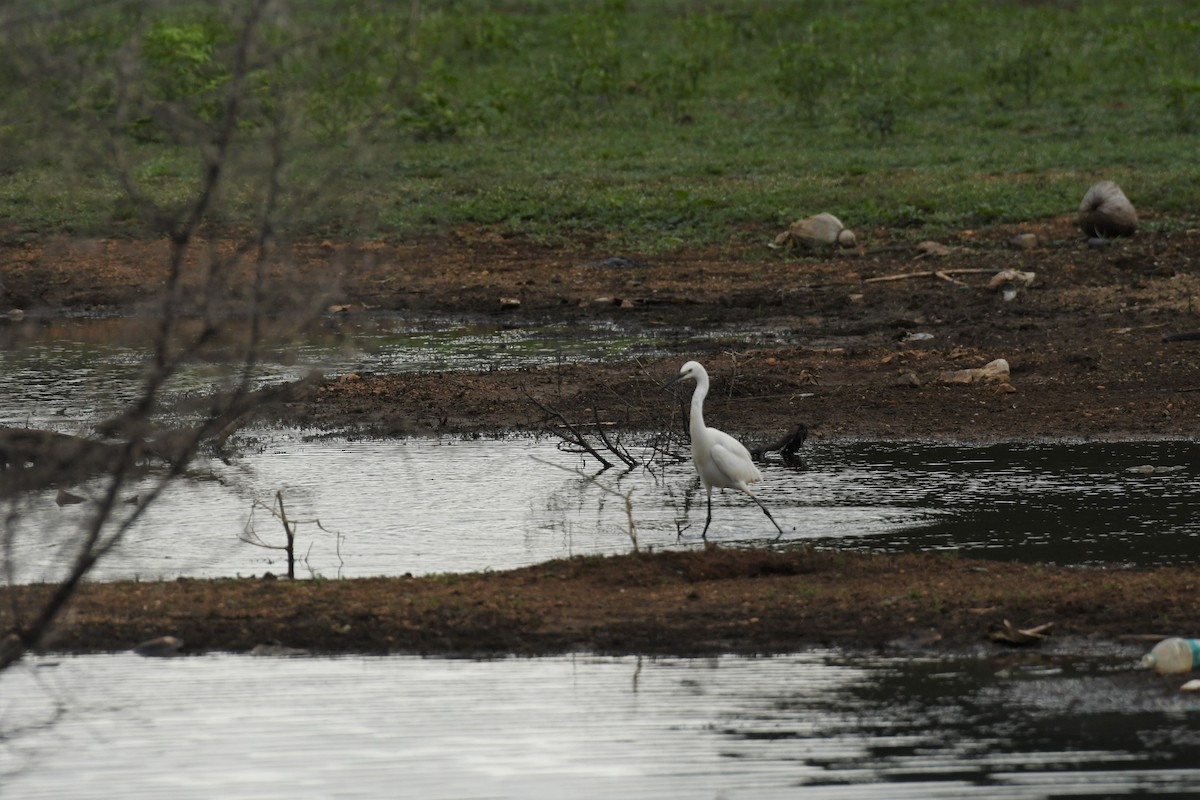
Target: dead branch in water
{"x": 787, "y": 445}
{"x": 576, "y": 441}
{"x": 250, "y": 535}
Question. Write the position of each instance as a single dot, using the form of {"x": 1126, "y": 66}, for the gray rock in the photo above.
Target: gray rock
{"x": 1106, "y": 212}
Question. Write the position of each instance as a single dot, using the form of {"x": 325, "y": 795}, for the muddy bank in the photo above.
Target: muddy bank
{"x": 864, "y": 337}
{"x": 867, "y": 342}
{"x": 699, "y": 602}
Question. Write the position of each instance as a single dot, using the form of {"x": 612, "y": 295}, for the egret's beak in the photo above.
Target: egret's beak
{"x": 675, "y": 380}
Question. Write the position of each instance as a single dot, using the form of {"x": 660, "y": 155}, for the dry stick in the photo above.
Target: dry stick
{"x": 290, "y": 527}
{"x": 938, "y": 273}
{"x": 941, "y": 273}
{"x": 579, "y": 440}
{"x": 289, "y": 530}
{"x": 620, "y": 452}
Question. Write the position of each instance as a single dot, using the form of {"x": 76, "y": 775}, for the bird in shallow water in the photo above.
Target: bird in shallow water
{"x": 722, "y": 461}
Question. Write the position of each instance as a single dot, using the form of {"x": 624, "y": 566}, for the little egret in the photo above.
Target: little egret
{"x": 721, "y": 460}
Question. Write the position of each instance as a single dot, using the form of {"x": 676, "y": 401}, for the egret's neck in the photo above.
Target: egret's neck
{"x": 697, "y": 417}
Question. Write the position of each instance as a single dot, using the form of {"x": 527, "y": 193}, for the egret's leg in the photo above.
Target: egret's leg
{"x": 708, "y": 519}
{"x": 768, "y": 513}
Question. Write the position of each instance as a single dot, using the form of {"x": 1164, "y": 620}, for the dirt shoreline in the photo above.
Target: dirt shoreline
{"x": 1084, "y": 344}
{"x": 694, "y": 602}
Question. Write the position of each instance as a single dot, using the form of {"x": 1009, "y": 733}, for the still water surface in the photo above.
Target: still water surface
{"x": 424, "y": 506}
{"x": 818, "y": 724}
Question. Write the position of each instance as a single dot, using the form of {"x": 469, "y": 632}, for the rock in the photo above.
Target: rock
{"x": 908, "y": 378}
{"x": 932, "y": 248}
{"x": 1011, "y": 634}
{"x": 615, "y": 262}
{"x": 1013, "y": 276}
{"x": 277, "y": 651}
{"x": 823, "y": 230}
{"x": 65, "y": 498}
{"x": 1024, "y": 241}
{"x": 993, "y": 371}
{"x": 509, "y": 303}
{"x": 160, "y": 647}
{"x": 1106, "y": 212}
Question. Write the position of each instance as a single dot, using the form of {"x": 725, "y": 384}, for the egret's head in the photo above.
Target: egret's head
{"x": 691, "y": 369}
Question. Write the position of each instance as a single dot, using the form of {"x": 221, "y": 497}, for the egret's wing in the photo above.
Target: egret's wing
{"x": 733, "y": 460}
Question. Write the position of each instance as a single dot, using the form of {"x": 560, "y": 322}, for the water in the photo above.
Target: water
{"x": 817, "y": 724}
{"x": 424, "y": 506}
{"x": 821, "y": 723}
{"x": 67, "y": 374}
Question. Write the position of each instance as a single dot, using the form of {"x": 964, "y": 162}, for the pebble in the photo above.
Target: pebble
{"x": 159, "y": 647}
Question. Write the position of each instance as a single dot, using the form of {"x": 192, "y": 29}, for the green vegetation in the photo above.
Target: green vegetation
{"x": 652, "y": 123}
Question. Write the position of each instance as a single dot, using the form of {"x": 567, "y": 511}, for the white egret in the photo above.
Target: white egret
{"x": 721, "y": 460}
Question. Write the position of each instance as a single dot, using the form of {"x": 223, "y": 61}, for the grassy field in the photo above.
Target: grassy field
{"x": 649, "y": 124}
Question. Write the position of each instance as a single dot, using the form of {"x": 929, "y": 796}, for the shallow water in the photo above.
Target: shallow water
{"x": 818, "y": 724}
{"x": 423, "y": 506}
{"x": 68, "y": 374}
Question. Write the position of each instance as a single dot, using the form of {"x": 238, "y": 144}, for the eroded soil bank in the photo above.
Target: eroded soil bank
{"x": 1084, "y": 344}
{"x": 704, "y": 601}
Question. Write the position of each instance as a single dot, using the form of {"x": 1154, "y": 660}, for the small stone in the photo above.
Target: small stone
{"x": 277, "y": 650}
{"x": 160, "y": 647}
{"x": 908, "y": 378}
{"x": 65, "y": 498}
{"x": 993, "y": 371}
{"x": 1024, "y": 241}
{"x": 509, "y": 303}
{"x": 1006, "y": 388}
{"x": 931, "y": 248}
{"x": 1011, "y": 276}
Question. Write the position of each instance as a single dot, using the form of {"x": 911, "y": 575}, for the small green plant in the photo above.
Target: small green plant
{"x": 878, "y": 96}
{"x": 804, "y": 74}
{"x": 1182, "y": 96}
{"x": 1023, "y": 69}
{"x": 806, "y": 591}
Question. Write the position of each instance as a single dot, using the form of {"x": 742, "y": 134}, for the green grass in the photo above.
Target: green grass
{"x": 654, "y": 124}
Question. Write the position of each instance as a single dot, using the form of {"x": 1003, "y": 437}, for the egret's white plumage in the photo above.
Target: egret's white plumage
{"x": 722, "y": 461}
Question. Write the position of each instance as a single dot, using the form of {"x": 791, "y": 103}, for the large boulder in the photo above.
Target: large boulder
{"x": 1106, "y": 211}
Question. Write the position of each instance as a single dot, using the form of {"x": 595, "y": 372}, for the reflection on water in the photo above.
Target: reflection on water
{"x": 819, "y": 724}
{"x": 442, "y": 505}
{"x": 68, "y": 374}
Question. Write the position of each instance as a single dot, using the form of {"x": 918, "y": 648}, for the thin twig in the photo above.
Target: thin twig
{"x": 578, "y": 440}
{"x": 940, "y": 273}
